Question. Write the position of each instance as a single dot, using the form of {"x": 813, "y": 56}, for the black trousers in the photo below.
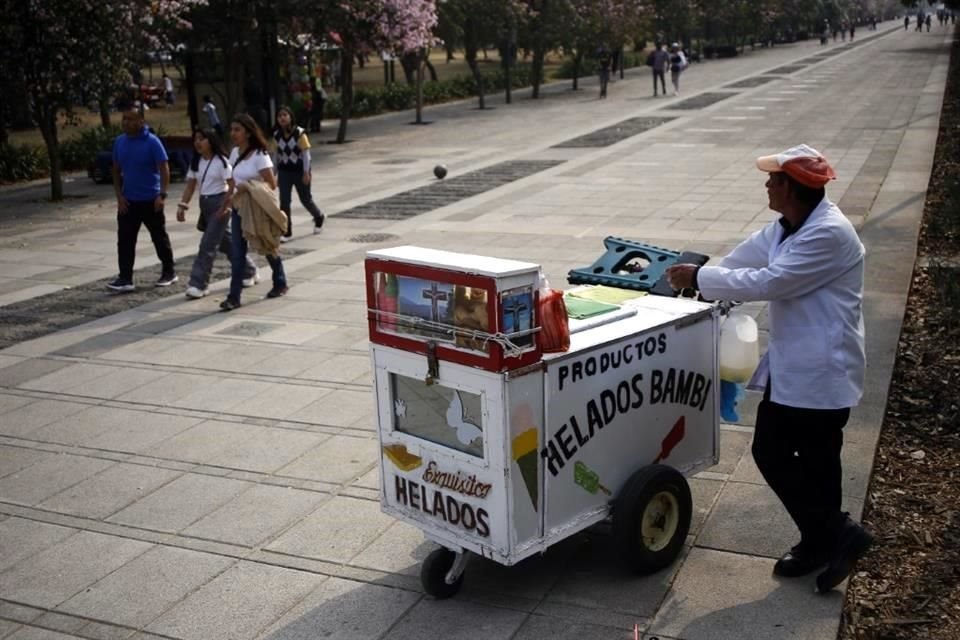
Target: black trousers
{"x": 798, "y": 452}
{"x": 128, "y": 228}
{"x": 663, "y": 81}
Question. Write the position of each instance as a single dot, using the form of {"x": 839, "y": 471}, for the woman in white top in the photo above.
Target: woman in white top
{"x": 211, "y": 174}
{"x": 251, "y": 161}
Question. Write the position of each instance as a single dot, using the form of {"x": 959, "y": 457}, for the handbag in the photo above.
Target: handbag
{"x": 201, "y": 220}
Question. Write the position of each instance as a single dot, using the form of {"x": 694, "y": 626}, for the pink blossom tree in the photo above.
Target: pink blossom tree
{"x": 73, "y": 50}
{"x": 394, "y": 26}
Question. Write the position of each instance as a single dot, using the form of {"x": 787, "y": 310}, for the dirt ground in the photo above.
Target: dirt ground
{"x": 908, "y": 586}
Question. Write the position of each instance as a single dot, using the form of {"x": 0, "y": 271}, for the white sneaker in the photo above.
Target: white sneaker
{"x": 285, "y": 239}
{"x": 196, "y": 293}
{"x": 249, "y": 282}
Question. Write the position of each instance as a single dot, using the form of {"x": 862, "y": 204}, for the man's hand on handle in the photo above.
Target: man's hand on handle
{"x": 682, "y": 276}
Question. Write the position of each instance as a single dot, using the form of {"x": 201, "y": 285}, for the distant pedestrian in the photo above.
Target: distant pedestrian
{"x": 825, "y": 34}
{"x": 318, "y": 98}
{"x": 678, "y": 62}
{"x": 256, "y": 188}
{"x": 210, "y": 173}
{"x": 604, "y": 61}
{"x": 843, "y": 31}
{"x": 929, "y": 22}
{"x": 168, "y": 89}
{"x": 213, "y": 119}
{"x": 658, "y": 61}
{"x": 293, "y": 169}
{"x": 920, "y": 19}
{"x": 853, "y": 29}
{"x": 906, "y": 22}
{"x": 141, "y": 175}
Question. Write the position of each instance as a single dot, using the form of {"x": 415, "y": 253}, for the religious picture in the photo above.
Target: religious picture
{"x": 425, "y": 305}
{"x": 516, "y": 306}
{"x": 471, "y": 313}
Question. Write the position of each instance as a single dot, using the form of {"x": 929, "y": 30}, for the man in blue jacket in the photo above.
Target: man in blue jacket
{"x": 141, "y": 175}
{"x": 809, "y": 265}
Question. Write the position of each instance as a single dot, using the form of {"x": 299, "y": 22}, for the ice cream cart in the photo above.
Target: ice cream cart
{"x": 494, "y": 448}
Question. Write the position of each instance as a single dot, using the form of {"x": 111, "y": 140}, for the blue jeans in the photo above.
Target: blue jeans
{"x": 216, "y": 236}
{"x": 239, "y": 260}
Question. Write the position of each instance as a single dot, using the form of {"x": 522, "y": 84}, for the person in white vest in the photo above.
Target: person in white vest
{"x": 809, "y": 265}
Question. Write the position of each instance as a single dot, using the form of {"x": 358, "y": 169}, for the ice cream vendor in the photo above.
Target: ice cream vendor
{"x": 809, "y": 265}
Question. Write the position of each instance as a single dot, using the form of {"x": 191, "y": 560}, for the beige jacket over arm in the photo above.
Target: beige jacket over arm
{"x": 261, "y": 217}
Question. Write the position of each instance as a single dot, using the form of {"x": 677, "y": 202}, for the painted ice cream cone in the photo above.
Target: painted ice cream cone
{"x": 526, "y": 455}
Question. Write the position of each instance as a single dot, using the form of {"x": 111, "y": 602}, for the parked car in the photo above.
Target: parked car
{"x": 179, "y": 151}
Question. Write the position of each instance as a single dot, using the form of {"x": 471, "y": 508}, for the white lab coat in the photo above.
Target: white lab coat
{"x": 814, "y": 282}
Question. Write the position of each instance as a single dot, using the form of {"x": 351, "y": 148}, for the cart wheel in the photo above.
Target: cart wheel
{"x": 433, "y": 574}
{"x": 651, "y": 518}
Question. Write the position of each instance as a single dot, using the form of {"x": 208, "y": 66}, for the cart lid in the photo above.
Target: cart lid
{"x": 651, "y": 312}
{"x": 465, "y": 262}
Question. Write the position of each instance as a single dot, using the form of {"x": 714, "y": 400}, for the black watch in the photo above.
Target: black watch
{"x": 163, "y": 195}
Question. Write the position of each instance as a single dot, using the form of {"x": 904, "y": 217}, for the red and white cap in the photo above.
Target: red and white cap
{"x": 804, "y": 164}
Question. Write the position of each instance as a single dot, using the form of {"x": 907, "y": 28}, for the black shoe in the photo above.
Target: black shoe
{"x": 318, "y": 223}
{"x": 229, "y": 304}
{"x": 853, "y": 544}
{"x": 276, "y": 292}
{"x": 166, "y": 280}
{"x": 800, "y": 560}
{"x": 121, "y": 286}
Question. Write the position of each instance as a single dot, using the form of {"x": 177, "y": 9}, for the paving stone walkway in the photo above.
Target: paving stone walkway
{"x": 172, "y": 472}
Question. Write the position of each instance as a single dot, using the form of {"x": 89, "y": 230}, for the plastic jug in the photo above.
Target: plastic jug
{"x": 739, "y": 348}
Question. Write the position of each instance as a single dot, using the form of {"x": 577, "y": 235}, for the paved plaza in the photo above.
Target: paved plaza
{"x": 167, "y": 471}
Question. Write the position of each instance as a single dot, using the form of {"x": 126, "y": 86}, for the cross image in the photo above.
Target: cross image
{"x": 515, "y": 307}
{"x": 435, "y": 296}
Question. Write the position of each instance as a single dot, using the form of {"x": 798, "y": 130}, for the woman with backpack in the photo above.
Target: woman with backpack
{"x": 678, "y": 62}
{"x": 293, "y": 169}
{"x": 211, "y": 174}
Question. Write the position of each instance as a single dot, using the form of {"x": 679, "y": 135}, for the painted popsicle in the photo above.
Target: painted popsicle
{"x": 588, "y": 479}
{"x": 673, "y": 439}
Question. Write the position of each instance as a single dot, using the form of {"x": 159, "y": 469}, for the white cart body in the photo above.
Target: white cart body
{"x": 558, "y": 439}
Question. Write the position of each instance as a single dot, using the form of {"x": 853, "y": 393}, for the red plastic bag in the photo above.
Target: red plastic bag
{"x": 554, "y": 333}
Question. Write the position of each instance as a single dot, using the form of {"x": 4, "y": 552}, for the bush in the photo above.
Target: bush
{"x": 22, "y": 162}
{"x": 332, "y": 108}
{"x": 77, "y": 153}
{"x": 399, "y": 96}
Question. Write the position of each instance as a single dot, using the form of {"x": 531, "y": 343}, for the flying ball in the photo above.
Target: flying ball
{"x": 440, "y": 171}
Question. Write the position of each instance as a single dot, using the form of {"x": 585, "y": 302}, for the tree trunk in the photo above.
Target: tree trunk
{"x": 419, "y": 119}
{"x": 471, "y": 45}
{"x": 190, "y": 80}
{"x": 48, "y": 128}
{"x": 537, "y": 72}
{"x": 104, "y": 104}
{"x": 346, "y": 95}
{"x": 471, "y": 56}
{"x": 577, "y": 65}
